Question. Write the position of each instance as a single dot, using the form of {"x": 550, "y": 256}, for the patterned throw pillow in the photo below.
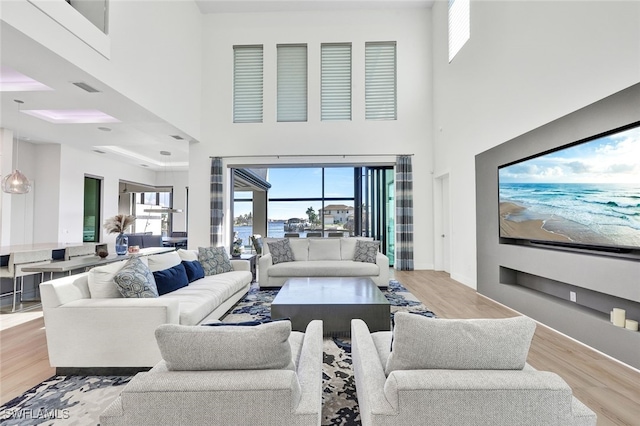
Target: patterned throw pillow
{"x": 214, "y": 260}
{"x": 366, "y": 251}
{"x": 281, "y": 251}
{"x": 136, "y": 280}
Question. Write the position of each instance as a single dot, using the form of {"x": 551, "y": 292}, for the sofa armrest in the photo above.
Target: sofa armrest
{"x": 383, "y": 263}
{"x": 310, "y": 369}
{"x": 240, "y": 265}
{"x": 369, "y": 373}
{"x": 265, "y": 262}
{"x": 101, "y": 332}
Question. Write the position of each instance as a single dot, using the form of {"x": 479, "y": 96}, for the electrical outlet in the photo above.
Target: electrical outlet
{"x": 572, "y": 296}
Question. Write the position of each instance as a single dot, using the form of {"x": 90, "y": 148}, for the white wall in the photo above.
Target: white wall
{"x": 410, "y": 134}
{"x": 527, "y": 63}
{"x": 153, "y": 51}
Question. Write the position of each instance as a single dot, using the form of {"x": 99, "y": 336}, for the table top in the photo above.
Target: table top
{"x": 91, "y": 261}
{"x": 6, "y": 250}
{"x": 330, "y": 291}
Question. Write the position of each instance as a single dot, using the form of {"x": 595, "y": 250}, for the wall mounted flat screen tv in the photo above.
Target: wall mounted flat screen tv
{"x": 582, "y": 195}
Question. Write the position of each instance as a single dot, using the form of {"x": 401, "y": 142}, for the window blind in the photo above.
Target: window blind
{"x": 247, "y": 84}
{"x": 380, "y": 81}
{"x": 292, "y": 82}
{"x": 335, "y": 82}
{"x": 459, "y": 26}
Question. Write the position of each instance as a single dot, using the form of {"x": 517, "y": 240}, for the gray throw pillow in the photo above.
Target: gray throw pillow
{"x": 136, "y": 280}
{"x": 260, "y": 347}
{"x": 366, "y": 251}
{"x": 214, "y": 260}
{"x": 281, "y": 251}
{"x": 459, "y": 344}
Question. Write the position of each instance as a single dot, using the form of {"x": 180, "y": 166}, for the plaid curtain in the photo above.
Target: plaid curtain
{"x": 216, "y": 202}
{"x": 404, "y": 214}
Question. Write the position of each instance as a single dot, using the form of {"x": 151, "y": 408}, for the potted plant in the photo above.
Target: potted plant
{"x": 236, "y": 250}
{"x": 117, "y": 225}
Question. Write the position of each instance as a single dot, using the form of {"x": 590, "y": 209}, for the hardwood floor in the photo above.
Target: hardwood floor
{"x": 609, "y": 388}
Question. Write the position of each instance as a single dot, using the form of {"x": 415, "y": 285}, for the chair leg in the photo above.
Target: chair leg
{"x": 15, "y": 284}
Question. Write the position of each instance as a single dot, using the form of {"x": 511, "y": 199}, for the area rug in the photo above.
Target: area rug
{"x": 79, "y": 400}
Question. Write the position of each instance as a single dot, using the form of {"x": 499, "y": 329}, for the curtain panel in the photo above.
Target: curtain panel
{"x": 404, "y": 214}
{"x": 216, "y": 202}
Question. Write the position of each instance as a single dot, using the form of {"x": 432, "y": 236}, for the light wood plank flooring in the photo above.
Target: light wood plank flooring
{"x": 609, "y": 388}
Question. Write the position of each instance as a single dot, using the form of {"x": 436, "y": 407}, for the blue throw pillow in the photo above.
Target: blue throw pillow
{"x": 194, "y": 270}
{"x": 245, "y": 323}
{"x": 171, "y": 279}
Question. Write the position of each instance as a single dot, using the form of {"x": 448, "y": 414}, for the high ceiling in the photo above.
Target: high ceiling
{"x": 139, "y": 136}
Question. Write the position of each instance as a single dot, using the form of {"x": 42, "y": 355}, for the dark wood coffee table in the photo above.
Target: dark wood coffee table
{"x": 335, "y": 301}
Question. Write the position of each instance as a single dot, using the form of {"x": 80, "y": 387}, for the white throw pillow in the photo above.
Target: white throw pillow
{"x": 324, "y": 249}
{"x": 459, "y": 344}
{"x": 101, "y": 280}
{"x": 188, "y": 255}
{"x": 260, "y": 347}
{"x": 160, "y": 262}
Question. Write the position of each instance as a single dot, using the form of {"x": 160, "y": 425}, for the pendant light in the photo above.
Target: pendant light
{"x": 16, "y": 182}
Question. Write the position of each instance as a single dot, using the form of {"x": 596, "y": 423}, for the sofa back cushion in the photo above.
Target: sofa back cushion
{"x": 324, "y": 249}
{"x": 348, "y": 246}
{"x": 261, "y": 347}
{"x": 299, "y": 248}
{"x": 459, "y": 344}
{"x": 188, "y": 255}
{"x": 159, "y": 262}
{"x": 101, "y": 280}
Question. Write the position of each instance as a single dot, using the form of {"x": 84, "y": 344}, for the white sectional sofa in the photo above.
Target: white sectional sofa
{"x": 89, "y": 324}
{"x": 321, "y": 257}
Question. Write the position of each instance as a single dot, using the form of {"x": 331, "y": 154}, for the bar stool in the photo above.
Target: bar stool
{"x": 85, "y": 250}
{"x": 19, "y": 260}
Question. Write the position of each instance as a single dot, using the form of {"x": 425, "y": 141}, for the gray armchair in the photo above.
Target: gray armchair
{"x": 182, "y": 389}
{"x": 462, "y": 388}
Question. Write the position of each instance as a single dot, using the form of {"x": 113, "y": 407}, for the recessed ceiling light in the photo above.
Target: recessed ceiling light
{"x": 177, "y": 137}
{"x": 76, "y": 116}
{"x": 13, "y": 81}
{"x": 165, "y": 153}
{"x": 98, "y": 151}
{"x": 104, "y": 129}
{"x": 144, "y": 165}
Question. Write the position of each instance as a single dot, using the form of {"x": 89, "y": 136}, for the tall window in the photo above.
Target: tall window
{"x": 91, "y": 225}
{"x": 459, "y": 26}
{"x": 380, "y": 81}
{"x": 292, "y": 82}
{"x": 335, "y": 82}
{"x": 247, "y": 84}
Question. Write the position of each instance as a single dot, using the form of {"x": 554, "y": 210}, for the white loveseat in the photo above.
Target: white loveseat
{"x": 88, "y": 324}
{"x": 321, "y": 257}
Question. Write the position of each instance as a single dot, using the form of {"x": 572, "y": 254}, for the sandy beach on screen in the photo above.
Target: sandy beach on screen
{"x": 532, "y": 229}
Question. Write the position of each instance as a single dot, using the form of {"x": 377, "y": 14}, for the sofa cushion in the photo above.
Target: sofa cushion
{"x": 299, "y": 248}
{"x": 261, "y": 347}
{"x": 136, "y": 280}
{"x": 189, "y": 255}
{"x": 101, "y": 283}
{"x": 366, "y": 251}
{"x": 171, "y": 279}
{"x": 193, "y": 269}
{"x": 281, "y": 251}
{"x": 324, "y": 268}
{"x": 348, "y": 246}
{"x": 201, "y": 297}
{"x": 214, "y": 260}
{"x": 459, "y": 344}
{"x": 162, "y": 261}
{"x": 324, "y": 249}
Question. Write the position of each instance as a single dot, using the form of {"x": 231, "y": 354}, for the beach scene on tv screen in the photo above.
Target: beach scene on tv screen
{"x": 584, "y": 194}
